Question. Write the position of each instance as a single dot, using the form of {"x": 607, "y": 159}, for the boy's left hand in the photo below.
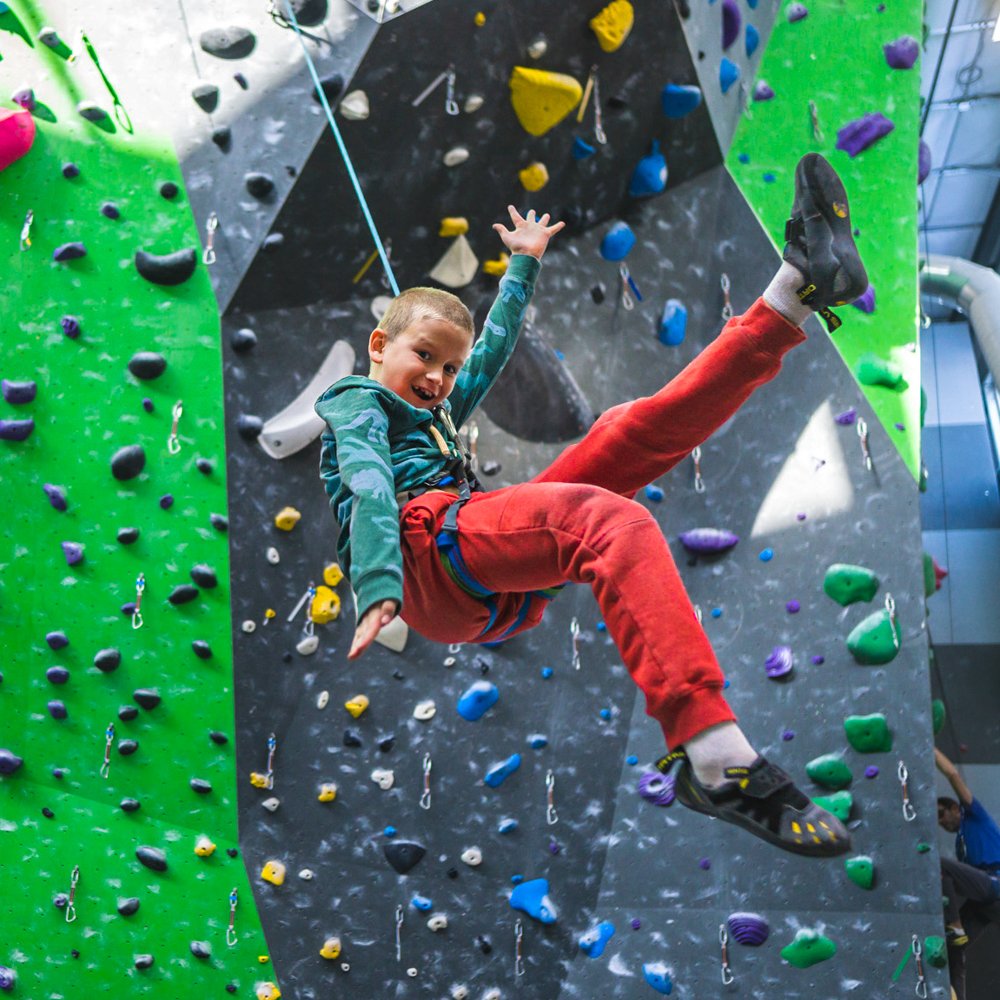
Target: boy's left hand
{"x": 530, "y": 235}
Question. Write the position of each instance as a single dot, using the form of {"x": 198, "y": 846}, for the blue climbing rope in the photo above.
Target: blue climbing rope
{"x": 343, "y": 151}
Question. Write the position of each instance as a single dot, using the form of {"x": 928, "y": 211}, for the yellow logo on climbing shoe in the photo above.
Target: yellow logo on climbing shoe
{"x": 839, "y": 210}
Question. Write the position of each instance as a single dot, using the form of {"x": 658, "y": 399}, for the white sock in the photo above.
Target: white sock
{"x": 716, "y": 748}
{"x": 781, "y": 294}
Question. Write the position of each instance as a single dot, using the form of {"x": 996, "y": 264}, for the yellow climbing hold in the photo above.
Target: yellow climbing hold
{"x": 263, "y": 959}
{"x": 325, "y": 606}
{"x": 480, "y": 19}
{"x": 454, "y": 225}
{"x": 332, "y": 575}
{"x": 259, "y": 780}
{"x": 542, "y": 99}
{"x": 357, "y": 704}
{"x": 287, "y": 518}
{"x": 613, "y": 24}
{"x": 204, "y": 848}
{"x": 498, "y": 267}
{"x": 267, "y": 991}
{"x": 273, "y": 872}
{"x": 534, "y": 176}
{"x": 269, "y": 613}
{"x": 331, "y": 948}
{"x": 327, "y": 792}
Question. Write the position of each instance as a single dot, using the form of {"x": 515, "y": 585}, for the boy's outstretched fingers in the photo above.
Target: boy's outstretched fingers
{"x": 369, "y": 625}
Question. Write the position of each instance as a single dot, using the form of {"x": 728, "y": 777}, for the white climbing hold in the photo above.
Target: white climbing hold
{"x": 460, "y": 992}
{"x": 458, "y": 266}
{"x": 308, "y": 645}
{"x": 425, "y": 710}
{"x": 538, "y": 47}
{"x": 472, "y": 856}
{"x": 437, "y": 922}
{"x": 455, "y": 156}
{"x": 323, "y": 699}
{"x": 383, "y": 778}
{"x": 473, "y": 103}
{"x": 307, "y": 874}
{"x": 394, "y": 635}
{"x": 450, "y": 661}
{"x": 379, "y": 305}
{"x": 493, "y": 994}
{"x": 272, "y": 556}
{"x": 271, "y": 804}
{"x": 249, "y": 626}
{"x": 411, "y": 972}
{"x": 355, "y": 106}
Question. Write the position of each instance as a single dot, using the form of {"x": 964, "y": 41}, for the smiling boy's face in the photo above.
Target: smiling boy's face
{"x": 421, "y": 363}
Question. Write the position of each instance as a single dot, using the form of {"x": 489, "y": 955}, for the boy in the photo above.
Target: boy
{"x": 419, "y": 538}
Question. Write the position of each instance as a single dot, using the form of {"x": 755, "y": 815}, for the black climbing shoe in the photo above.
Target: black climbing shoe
{"x": 820, "y": 242}
{"x": 763, "y": 800}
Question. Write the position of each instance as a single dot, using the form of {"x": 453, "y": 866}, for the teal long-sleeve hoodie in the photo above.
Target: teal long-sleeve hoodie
{"x": 377, "y": 445}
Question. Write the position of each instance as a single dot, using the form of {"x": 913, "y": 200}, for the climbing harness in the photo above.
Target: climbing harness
{"x": 551, "y": 816}
{"x": 450, "y": 105}
{"x": 173, "y": 442}
{"x": 909, "y": 813}
{"x": 863, "y": 438}
{"x": 140, "y": 586}
{"x": 109, "y": 736}
{"x": 518, "y": 953}
{"x": 727, "y": 972}
{"x": 290, "y": 15}
{"x": 699, "y": 483}
{"x": 231, "y": 930}
{"x": 211, "y": 225}
{"x": 425, "y": 799}
{"x": 70, "y": 905}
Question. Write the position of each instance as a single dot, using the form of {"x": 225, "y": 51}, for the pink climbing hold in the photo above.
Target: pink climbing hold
{"x": 17, "y": 133}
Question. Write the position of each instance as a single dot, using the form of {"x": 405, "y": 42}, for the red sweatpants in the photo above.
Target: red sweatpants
{"x": 577, "y": 522}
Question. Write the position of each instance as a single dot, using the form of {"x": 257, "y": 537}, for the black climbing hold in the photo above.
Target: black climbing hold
{"x": 9, "y": 761}
{"x": 126, "y": 536}
{"x": 219, "y": 522}
{"x": 126, "y": 907}
{"x": 403, "y": 854}
{"x": 233, "y": 42}
{"x": 201, "y": 949}
{"x": 166, "y": 269}
{"x": 618, "y": 102}
{"x": 147, "y": 365}
{"x": 273, "y": 241}
{"x": 386, "y": 743}
{"x": 287, "y": 657}
{"x": 206, "y": 96}
{"x": 128, "y": 712}
{"x": 47, "y": 812}
{"x": 308, "y": 13}
{"x": 232, "y": 852}
{"x": 91, "y": 111}
{"x": 398, "y": 674}
{"x": 231, "y": 987}
{"x": 129, "y": 805}
{"x": 143, "y": 961}
{"x": 127, "y": 747}
{"x": 484, "y": 668}
{"x": 70, "y": 327}
{"x": 352, "y": 738}
{"x": 222, "y": 137}
{"x": 75, "y": 953}
{"x": 485, "y": 946}
{"x": 204, "y": 576}
{"x": 57, "y": 773}
{"x": 57, "y": 675}
{"x": 147, "y": 405}
{"x": 202, "y": 649}
{"x": 146, "y": 698}
{"x": 183, "y": 593}
{"x": 490, "y": 468}
{"x": 249, "y": 426}
{"x": 110, "y": 210}
{"x": 70, "y": 170}
{"x": 221, "y": 739}
{"x": 56, "y": 640}
{"x": 452, "y": 873}
{"x": 258, "y": 184}
{"x": 169, "y": 190}
{"x": 56, "y": 496}
{"x": 204, "y": 466}
{"x": 201, "y": 786}
{"x": 332, "y": 86}
{"x": 683, "y": 8}
{"x": 597, "y": 293}
{"x": 57, "y": 709}
{"x": 290, "y": 170}
{"x": 128, "y": 462}
{"x": 108, "y": 660}
{"x": 243, "y": 340}
{"x": 241, "y": 80}
{"x": 151, "y": 857}
{"x": 167, "y": 501}
{"x": 69, "y": 251}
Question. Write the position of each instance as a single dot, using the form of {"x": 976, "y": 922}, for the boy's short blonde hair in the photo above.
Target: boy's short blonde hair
{"x": 417, "y": 303}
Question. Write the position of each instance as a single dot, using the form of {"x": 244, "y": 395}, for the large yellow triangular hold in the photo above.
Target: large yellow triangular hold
{"x": 541, "y": 99}
{"x": 613, "y": 24}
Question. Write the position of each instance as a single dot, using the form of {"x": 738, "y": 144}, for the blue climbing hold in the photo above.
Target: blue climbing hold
{"x": 533, "y": 898}
{"x": 537, "y": 741}
{"x": 596, "y": 940}
{"x": 766, "y": 555}
{"x": 582, "y": 150}
{"x": 507, "y": 825}
{"x": 605, "y": 714}
{"x": 654, "y": 493}
{"x": 752, "y": 39}
{"x": 716, "y": 612}
{"x": 729, "y": 73}
{"x": 673, "y": 323}
{"x": 677, "y": 100}
{"x": 617, "y": 242}
{"x": 743, "y": 157}
{"x": 632, "y": 759}
{"x": 421, "y": 903}
{"x": 752, "y": 4}
{"x": 546, "y": 673}
{"x": 477, "y": 699}
{"x": 650, "y": 174}
{"x": 658, "y": 976}
{"x": 499, "y": 773}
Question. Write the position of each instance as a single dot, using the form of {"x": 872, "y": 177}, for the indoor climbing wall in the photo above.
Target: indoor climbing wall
{"x": 434, "y": 821}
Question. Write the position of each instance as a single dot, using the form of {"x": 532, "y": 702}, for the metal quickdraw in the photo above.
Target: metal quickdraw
{"x": 574, "y": 634}
{"x": 727, "y": 972}
{"x": 400, "y": 916}
{"x": 551, "y": 816}
{"x": 909, "y": 813}
{"x": 629, "y": 288}
{"x": 727, "y": 305}
{"x": 26, "y": 230}
{"x": 699, "y": 483}
{"x": 918, "y": 957}
{"x": 814, "y": 121}
{"x": 109, "y": 738}
{"x": 890, "y": 607}
{"x": 140, "y": 586}
{"x": 173, "y": 442}
{"x": 863, "y": 438}
{"x": 231, "y": 930}
{"x": 425, "y": 799}
{"x": 518, "y": 949}
{"x": 450, "y": 105}
{"x": 71, "y": 905}
{"x": 211, "y": 225}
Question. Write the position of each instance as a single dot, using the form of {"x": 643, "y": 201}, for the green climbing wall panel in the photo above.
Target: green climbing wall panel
{"x": 834, "y": 58}
{"x": 87, "y": 406}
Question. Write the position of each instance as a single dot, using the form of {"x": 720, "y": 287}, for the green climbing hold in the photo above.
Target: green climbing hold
{"x": 936, "y": 951}
{"x": 840, "y": 804}
{"x": 846, "y": 583}
{"x": 930, "y": 577}
{"x": 808, "y": 948}
{"x": 937, "y": 715}
{"x": 923, "y": 405}
{"x": 875, "y": 640}
{"x": 873, "y": 370}
{"x": 861, "y": 870}
{"x": 923, "y": 847}
{"x": 830, "y": 771}
{"x": 868, "y": 733}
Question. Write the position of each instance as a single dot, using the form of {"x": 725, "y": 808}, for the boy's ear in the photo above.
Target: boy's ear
{"x": 376, "y": 344}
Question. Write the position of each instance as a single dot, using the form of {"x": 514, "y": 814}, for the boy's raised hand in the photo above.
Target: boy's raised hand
{"x": 369, "y": 625}
{"x": 530, "y": 235}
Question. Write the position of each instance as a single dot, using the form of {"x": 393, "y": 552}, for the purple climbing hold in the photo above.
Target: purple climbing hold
{"x": 8, "y": 977}
{"x": 707, "y": 539}
{"x": 817, "y": 660}
{"x": 788, "y": 734}
{"x": 657, "y": 788}
{"x": 779, "y": 663}
{"x": 748, "y": 928}
{"x": 167, "y": 501}
{"x": 532, "y": 897}
{"x": 902, "y": 53}
{"x": 866, "y": 301}
{"x": 73, "y": 552}
{"x": 16, "y": 430}
{"x": 18, "y": 392}
{"x": 70, "y": 170}
{"x": 24, "y": 97}
{"x": 705, "y": 864}
{"x": 762, "y": 91}
{"x": 9, "y": 761}
{"x": 857, "y": 135}
{"x": 846, "y": 418}
{"x": 871, "y": 771}
{"x": 57, "y": 709}
{"x": 793, "y": 607}
{"x": 110, "y": 210}
{"x": 128, "y": 462}
{"x": 732, "y": 21}
{"x": 69, "y": 251}
{"x": 56, "y": 640}
{"x": 796, "y": 12}
{"x": 636, "y": 923}
{"x": 57, "y": 675}
{"x": 923, "y": 162}
{"x": 70, "y": 326}
{"x": 56, "y": 496}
